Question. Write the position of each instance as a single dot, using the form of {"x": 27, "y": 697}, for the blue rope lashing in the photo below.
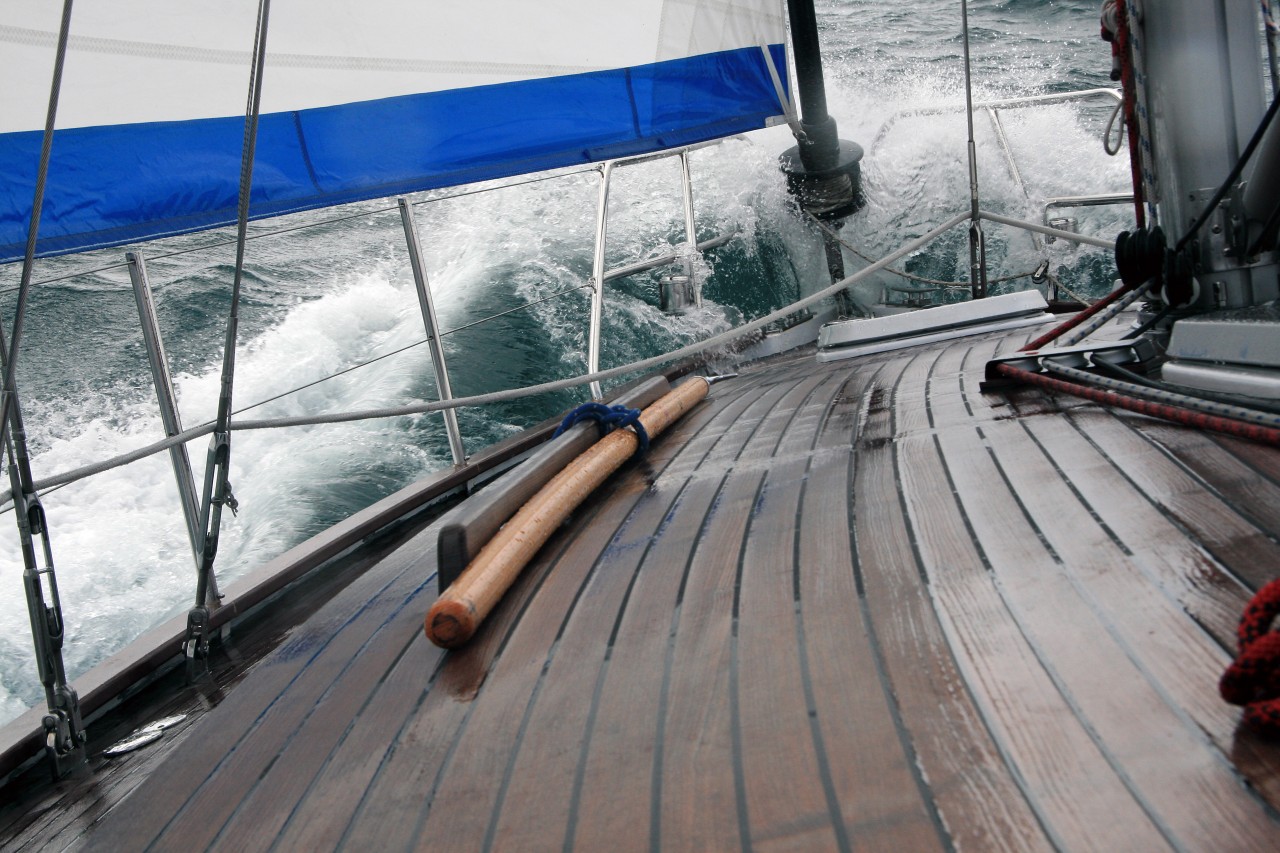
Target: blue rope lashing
{"x": 607, "y": 418}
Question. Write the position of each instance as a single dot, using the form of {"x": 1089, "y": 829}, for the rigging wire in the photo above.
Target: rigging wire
{"x": 217, "y": 489}
{"x": 64, "y": 731}
{"x": 7, "y": 399}
{"x": 977, "y": 243}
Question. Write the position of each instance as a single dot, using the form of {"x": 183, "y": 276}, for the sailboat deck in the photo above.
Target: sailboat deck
{"x": 854, "y": 605}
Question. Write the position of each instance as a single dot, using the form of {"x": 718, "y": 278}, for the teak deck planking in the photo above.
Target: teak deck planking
{"x": 1078, "y": 794}
{"x": 854, "y": 605}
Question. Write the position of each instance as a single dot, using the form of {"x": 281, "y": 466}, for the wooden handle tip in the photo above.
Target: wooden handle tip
{"x": 450, "y": 623}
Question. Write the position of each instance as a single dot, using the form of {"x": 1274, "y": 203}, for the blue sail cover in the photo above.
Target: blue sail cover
{"x": 361, "y": 99}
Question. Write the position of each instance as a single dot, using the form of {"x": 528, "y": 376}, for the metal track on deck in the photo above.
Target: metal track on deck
{"x": 841, "y": 605}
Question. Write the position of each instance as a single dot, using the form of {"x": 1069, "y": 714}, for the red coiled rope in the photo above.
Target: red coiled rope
{"x": 1253, "y": 679}
{"x": 1115, "y": 29}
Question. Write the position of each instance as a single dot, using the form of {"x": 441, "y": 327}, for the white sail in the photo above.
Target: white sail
{"x": 361, "y": 99}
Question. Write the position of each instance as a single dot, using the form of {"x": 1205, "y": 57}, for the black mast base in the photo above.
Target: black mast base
{"x": 830, "y": 193}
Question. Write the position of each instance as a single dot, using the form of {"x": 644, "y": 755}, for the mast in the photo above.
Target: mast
{"x": 1212, "y": 146}
{"x": 822, "y": 170}
{"x": 819, "y": 149}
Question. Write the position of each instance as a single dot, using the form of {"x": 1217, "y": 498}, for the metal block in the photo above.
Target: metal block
{"x": 1064, "y": 223}
{"x": 1080, "y": 356}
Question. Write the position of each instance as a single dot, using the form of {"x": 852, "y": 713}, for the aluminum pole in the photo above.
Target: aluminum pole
{"x": 597, "y": 280}
{"x": 977, "y": 242}
{"x": 432, "y": 325}
{"x": 167, "y": 400}
{"x": 690, "y": 231}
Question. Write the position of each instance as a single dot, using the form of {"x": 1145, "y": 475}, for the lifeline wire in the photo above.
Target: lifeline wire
{"x": 826, "y": 229}
{"x": 217, "y": 490}
{"x": 515, "y": 393}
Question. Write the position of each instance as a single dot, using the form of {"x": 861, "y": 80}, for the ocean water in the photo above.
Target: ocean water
{"x": 336, "y": 296}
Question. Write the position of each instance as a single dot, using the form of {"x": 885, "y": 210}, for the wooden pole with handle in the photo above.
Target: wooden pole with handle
{"x": 463, "y": 606}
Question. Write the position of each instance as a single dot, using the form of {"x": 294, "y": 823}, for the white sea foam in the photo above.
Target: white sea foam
{"x": 123, "y": 557}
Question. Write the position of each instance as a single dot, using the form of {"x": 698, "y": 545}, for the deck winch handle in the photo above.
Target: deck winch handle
{"x": 460, "y": 609}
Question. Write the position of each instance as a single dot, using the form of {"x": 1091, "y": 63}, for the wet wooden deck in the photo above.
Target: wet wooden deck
{"x": 856, "y": 605}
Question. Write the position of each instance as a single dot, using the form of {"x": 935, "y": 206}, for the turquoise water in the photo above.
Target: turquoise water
{"x": 328, "y": 298}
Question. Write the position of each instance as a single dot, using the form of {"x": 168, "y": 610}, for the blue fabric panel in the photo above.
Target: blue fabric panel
{"x": 125, "y": 183}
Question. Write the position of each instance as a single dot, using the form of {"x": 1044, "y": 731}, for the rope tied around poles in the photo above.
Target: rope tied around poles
{"x": 1253, "y": 679}
{"x": 607, "y": 418}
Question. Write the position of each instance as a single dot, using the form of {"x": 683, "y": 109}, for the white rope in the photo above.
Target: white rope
{"x": 1106, "y": 134}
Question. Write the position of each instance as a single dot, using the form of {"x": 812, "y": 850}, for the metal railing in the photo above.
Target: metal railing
{"x": 993, "y": 108}
{"x": 176, "y": 437}
{"x": 1100, "y": 200}
{"x": 716, "y": 341}
{"x": 997, "y": 105}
